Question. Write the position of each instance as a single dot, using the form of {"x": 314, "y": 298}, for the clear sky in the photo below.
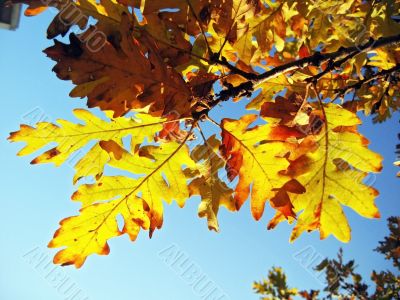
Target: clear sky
{"x": 35, "y": 198}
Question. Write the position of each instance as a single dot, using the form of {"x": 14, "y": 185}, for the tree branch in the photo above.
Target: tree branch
{"x": 336, "y": 59}
{"x": 316, "y": 59}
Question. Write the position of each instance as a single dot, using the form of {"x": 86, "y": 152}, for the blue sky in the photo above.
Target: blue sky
{"x": 35, "y": 198}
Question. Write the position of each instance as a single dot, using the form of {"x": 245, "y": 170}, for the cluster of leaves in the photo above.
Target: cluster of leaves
{"x": 390, "y": 246}
{"x": 275, "y": 286}
{"x": 157, "y": 68}
{"x": 342, "y": 282}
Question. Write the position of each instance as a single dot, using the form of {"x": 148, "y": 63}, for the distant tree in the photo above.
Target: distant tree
{"x": 341, "y": 280}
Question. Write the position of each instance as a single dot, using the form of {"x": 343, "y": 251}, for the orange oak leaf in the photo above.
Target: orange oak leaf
{"x": 256, "y": 156}
{"x": 291, "y": 111}
{"x": 124, "y": 74}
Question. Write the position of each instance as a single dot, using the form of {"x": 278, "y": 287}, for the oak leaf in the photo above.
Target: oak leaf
{"x": 256, "y": 156}
{"x": 214, "y": 192}
{"x": 71, "y": 137}
{"x": 333, "y": 174}
{"x": 124, "y": 74}
{"x": 156, "y": 175}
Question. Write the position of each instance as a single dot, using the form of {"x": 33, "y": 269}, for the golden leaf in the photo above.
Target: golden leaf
{"x": 213, "y": 191}
{"x": 256, "y": 156}
{"x": 333, "y": 174}
{"x": 71, "y": 137}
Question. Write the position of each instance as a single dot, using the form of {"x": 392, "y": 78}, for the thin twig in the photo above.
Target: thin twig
{"x": 358, "y": 85}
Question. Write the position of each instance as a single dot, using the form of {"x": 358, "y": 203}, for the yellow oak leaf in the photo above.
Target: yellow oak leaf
{"x": 190, "y": 16}
{"x": 92, "y": 164}
{"x": 213, "y": 191}
{"x": 89, "y": 232}
{"x": 273, "y": 86}
{"x": 156, "y": 175}
{"x": 71, "y": 137}
{"x": 334, "y": 174}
